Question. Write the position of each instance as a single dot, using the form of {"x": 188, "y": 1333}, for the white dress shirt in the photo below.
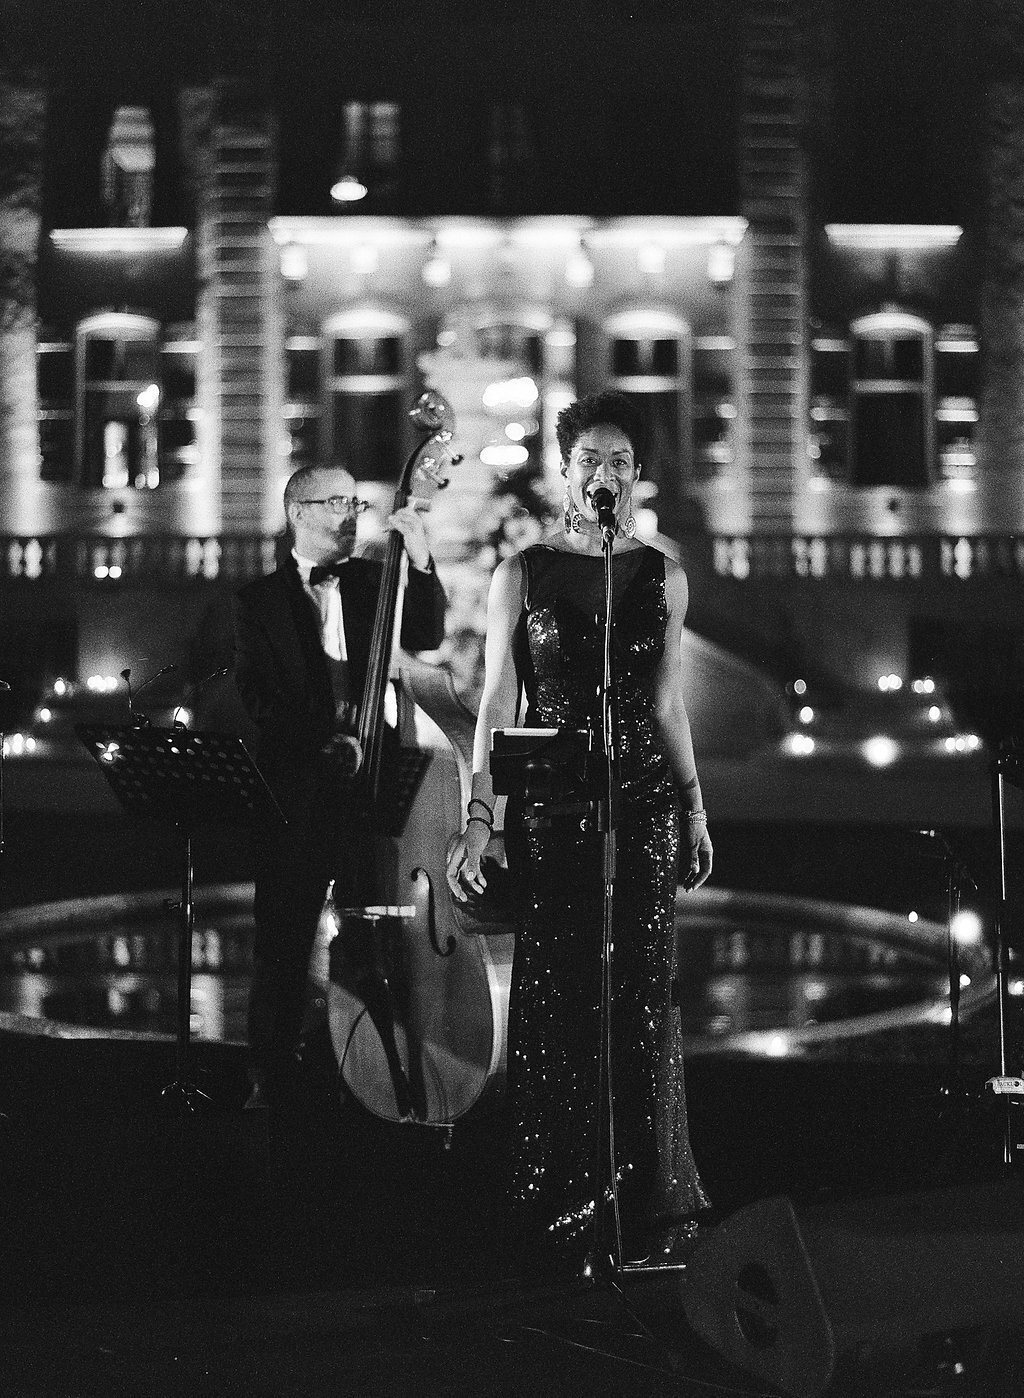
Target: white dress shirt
{"x": 326, "y": 598}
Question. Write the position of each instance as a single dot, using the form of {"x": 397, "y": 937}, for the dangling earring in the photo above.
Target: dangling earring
{"x": 572, "y": 520}
{"x": 628, "y": 525}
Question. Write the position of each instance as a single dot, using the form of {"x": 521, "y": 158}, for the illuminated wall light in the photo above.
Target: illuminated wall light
{"x": 721, "y": 263}
{"x": 934, "y": 713}
{"x": 799, "y": 686}
{"x": 364, "y": 259}
{"x": 515, "y": 431}
{"x": 818, "y": 484}
{"x": 806, "y": 714}
{"x": 100, "y": 571}
{"x": 777, "y": 1046}
{"x": 880, "y": 750}
{"x": 149, "y": 399}
{"x": 348, "y": 190}
{"x": 114, "y": 571}
{"x": 579, "y": 270}
{"x": 911, "y": 916}
{"x": 889, "y": 684}
{"x": 294, "y": 262}
{"x": 44, "y": 715}
{"x": 893, "y": 236}
{"x": 650, "y": 259}
{"x": 960, "y": 485}
{"x": 799, "y": 744}
{"x": 61, "y": 687}
{"x": 1016, "y": 987}
{"x": 923, "y": 686}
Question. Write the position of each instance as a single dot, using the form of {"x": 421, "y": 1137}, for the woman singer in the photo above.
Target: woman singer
{"x": 545, "y": 640}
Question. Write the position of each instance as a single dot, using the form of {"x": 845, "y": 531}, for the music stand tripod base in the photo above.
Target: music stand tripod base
{"x": 185, "y": 779}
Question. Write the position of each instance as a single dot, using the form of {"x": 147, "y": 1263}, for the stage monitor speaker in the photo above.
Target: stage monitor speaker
{"x": 786, "y": 1295}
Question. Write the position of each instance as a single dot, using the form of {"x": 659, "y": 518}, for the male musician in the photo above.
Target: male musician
{"x": 302, "y": 643}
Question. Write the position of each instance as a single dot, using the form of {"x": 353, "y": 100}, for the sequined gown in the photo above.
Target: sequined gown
{"x": 556, "y": 981}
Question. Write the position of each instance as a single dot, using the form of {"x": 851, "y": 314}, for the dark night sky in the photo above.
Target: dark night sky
{"x": 899, "y": 141}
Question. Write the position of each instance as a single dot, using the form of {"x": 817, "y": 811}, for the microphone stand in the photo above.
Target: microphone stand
{"x": 1007, "y": 1086}
{"x": 605, "y": 1251}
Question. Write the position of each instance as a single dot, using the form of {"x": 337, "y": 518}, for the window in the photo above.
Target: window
{"x": 650, "y": 360}
{"x": 892, "y": 431}
{"x": 117, "y": 401}
{"x": 364, "y": 364}
{"x": 55, "y": 376}
{"x": 514, "y": 399}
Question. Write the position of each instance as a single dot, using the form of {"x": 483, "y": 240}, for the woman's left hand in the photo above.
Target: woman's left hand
{"x": 701, "y": 855}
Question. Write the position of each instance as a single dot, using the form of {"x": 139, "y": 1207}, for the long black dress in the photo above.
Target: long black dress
{"x": 557, "y": 872}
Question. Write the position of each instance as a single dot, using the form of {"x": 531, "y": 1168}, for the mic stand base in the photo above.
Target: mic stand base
{"x": 183, "y": 1098}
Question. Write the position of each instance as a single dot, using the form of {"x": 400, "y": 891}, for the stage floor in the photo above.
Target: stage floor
{"x": 338, "y": 1253}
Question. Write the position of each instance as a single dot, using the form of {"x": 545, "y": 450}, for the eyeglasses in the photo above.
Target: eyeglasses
{"x": 340, "y": 504}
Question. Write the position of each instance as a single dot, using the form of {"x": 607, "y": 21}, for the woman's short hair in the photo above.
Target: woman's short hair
{"x": 600, "y": 409}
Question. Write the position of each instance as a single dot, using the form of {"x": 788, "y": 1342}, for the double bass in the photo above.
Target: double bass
{"x": 417, "y": 1008}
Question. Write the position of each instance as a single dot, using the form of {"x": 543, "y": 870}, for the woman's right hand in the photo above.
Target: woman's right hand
{"x": 465, "y": 852}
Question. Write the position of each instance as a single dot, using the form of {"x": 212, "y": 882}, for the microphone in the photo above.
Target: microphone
{"x": 142, "y": 719}
{"x": 603, "y": 504}
{"x": 197, "y": 689}
{"x": 937, "y": 846}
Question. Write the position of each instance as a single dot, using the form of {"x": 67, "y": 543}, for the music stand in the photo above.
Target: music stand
{"x": 185, "y": 779}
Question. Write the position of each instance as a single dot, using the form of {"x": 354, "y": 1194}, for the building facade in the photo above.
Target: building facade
{"x": 700, "y": 211}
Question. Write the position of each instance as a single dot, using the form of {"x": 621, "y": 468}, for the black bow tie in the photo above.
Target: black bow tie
{"x": 320, "y": 572}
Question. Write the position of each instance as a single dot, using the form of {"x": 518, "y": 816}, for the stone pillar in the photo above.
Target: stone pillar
{"x": 22, "y": 131}
{"x": 241, "y": 369}
{"x": 772, "y": 358}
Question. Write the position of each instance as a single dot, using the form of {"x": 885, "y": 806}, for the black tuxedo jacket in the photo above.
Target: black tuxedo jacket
{"x": 281, "y": 671}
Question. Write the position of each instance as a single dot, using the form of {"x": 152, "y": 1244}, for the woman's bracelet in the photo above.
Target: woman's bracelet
{"x": 697, "y": 817}
{"x": 480, "y": 821}
{"x": 476, "y": 801}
